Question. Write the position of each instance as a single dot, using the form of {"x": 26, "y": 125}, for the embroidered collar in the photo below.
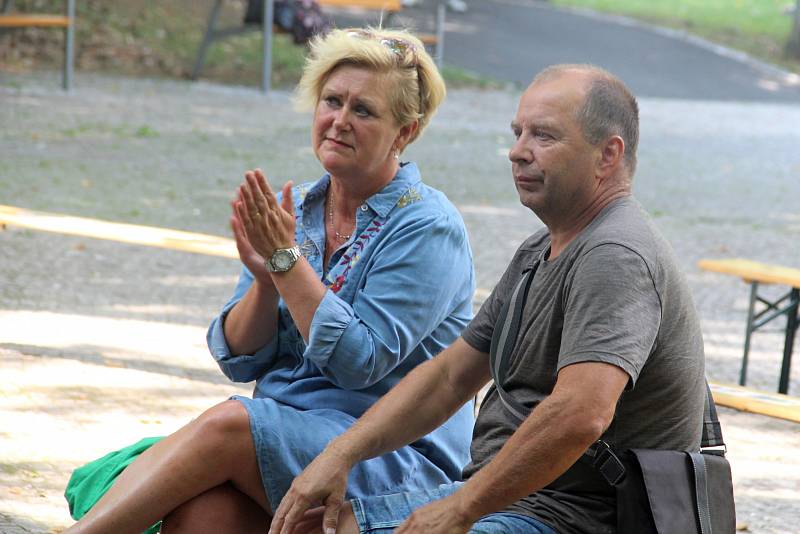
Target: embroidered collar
{"x": 384, "y": 200}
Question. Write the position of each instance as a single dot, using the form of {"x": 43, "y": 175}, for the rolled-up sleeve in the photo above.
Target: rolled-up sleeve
{"x": 419, "y": 275}
{"x": 238, "y": 367}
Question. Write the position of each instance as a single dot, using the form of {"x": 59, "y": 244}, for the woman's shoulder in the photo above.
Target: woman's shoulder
{"x": 421, "y": 197}
{"x": 422, "y": 201}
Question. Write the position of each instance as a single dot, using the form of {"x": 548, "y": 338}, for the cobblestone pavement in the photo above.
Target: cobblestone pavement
{"x": 102, "y": 343}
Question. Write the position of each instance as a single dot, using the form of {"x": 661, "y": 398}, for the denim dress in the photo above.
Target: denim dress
{"x": 398, "y": 292}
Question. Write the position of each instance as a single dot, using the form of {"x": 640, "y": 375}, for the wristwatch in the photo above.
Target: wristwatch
{"x": 282, "y": 259}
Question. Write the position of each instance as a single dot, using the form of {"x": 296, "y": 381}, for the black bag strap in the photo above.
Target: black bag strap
{"x": 712, "y": 430}
{"x": 701, "y": 491}
{"x": 504, "y": 338}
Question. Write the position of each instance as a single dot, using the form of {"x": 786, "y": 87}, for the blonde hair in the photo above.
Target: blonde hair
{"x": 418, "y": 88}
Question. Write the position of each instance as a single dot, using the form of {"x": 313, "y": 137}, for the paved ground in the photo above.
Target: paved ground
{"x": 511, "y": 39}
{"x": 102, "y": 343}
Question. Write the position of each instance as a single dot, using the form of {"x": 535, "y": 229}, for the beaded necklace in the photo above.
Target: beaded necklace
{"x": 340, "y": 237}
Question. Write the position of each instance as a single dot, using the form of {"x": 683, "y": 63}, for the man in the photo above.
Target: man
{"x": 609, "y": 346}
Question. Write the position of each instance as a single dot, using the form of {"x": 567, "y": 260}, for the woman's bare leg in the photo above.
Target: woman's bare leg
{"x": 220, "y": 510}
{"x": 214, "y": 449}
{"x": 311, "y": 523}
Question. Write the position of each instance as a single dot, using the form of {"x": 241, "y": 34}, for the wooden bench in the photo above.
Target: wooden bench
{"x": 11, "y": 20}
{"x": 389, "y": 7}
{"x": 756, "y": 273}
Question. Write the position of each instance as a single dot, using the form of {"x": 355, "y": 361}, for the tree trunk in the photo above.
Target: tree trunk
{"x": 793, "y": 44}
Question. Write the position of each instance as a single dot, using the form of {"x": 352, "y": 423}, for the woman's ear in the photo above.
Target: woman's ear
{"x": 405, "y": 135}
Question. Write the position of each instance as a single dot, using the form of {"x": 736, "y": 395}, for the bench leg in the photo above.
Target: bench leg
{"x": 207, "y": 38}
{"x": 69, "y": 45}
{"x": 791, "y": 329}
{"x": 748, "y": 331}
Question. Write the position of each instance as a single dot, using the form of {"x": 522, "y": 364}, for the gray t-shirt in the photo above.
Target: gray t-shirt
{"x": 614, "y": 295}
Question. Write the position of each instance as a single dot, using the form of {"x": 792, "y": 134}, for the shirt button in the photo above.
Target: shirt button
{"x": 363, "y": 207}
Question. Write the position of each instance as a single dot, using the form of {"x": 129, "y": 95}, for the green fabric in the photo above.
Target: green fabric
{"x": 90, "y": 482}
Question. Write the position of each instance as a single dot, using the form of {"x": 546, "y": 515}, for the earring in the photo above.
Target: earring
{"x": 396, "y": 154}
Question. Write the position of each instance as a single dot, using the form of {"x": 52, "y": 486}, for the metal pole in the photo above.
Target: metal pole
{"x": 69, "y": 47}
{"x": 791, "y": 329}
{"x": 793, "y": 44}
{"x": 748, "y": 331}
{"x": 266, "y": 73}
{"x": 440, "y": 15}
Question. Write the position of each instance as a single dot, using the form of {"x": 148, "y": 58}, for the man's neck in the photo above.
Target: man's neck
{"x": 564, "y": 231}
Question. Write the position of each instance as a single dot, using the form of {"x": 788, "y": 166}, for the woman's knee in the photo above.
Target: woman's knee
{"x": 227, "y": 423}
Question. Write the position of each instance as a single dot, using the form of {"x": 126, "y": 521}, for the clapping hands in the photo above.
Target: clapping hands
{"x": 260, "y": 224}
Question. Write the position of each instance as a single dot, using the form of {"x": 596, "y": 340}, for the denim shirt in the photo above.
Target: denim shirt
{"x": 398, "y": 292}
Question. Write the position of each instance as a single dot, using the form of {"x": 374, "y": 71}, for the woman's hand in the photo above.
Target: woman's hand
{"x": 266, "y": 225}
{"x": 247, "y": 254}
{"x": 323, "y": 482}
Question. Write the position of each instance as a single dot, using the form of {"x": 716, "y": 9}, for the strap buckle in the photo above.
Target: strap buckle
{"x": 606, "y": 462}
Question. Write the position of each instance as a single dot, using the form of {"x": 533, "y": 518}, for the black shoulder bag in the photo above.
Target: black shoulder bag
{"x": 657, "y": 491}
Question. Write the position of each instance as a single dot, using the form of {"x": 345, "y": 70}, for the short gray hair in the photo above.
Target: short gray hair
{"x": 608, "y": 109}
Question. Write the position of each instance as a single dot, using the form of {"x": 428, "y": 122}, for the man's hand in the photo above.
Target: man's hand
{"x": 323, "y": 482}
{"x": 440, "y": 517}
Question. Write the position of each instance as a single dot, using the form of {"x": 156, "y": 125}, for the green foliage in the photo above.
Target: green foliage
{"x": 161, "y": 38}
{"x": 158, "y": 38}
{"x": 759, "y": 27}
{"x": 456, "y": 77}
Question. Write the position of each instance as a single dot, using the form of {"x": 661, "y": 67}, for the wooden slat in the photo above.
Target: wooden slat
{"x": 124, "y": 233}
{"x": 753, "y": 271}
{"x": 388, "y": 5}
{"x": 23, "y": 20}
{"x": 749, "y": 400}
{"x": 151, "y": 236}
{"x": 427, "y": 38}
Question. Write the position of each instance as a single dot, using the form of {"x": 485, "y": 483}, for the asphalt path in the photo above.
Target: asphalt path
{"x": 511, "y": 40}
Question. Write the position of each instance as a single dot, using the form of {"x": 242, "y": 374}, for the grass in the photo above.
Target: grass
{"x": 456, "y": 77}
{"x": 758, "y": 27}
{"x": 160, "y": 39}
{"x": 151, "y": 38}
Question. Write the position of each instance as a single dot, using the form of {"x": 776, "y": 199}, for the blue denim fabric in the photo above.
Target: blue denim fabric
{"x": 382, "y": 514}
{"x": 399, "y": 291}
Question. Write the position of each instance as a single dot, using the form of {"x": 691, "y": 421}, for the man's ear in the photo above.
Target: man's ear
{"x": 612, "y": 157}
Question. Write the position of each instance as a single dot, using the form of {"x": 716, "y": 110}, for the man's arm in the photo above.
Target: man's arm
{"x": 550, "y": 440}
{"x": 421, "y": 402}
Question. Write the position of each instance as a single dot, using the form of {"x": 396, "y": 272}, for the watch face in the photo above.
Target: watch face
{"x": 282, "y": 260}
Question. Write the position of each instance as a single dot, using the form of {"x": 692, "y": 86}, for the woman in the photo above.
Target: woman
{"x": 348, "y": 284}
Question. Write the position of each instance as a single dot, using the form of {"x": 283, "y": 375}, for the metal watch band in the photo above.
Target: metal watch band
{"x": 292, "y": 255}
